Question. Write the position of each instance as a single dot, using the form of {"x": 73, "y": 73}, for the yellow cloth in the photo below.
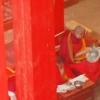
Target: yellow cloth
{"x": 71, "y": 49}
{"x": 65, "y": 77}
{"x": 83, "y": 56}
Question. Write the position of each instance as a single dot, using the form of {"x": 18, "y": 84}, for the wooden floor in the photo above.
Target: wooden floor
{"x": 68, "y": 3}
{"x": 97, "y": 91}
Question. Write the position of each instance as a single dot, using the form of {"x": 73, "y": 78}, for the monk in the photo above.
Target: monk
{"x": 63, "y": 73}
{"x": 74, "y": 48}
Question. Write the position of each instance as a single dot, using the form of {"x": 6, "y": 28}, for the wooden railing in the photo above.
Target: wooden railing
{"x": 7, "y": 14}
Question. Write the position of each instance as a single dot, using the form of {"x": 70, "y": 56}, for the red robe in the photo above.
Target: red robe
{"x": 68, "y": 72}
{"x": 91, "y": 70}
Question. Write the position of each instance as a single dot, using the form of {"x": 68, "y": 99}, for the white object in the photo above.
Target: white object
{"x": 57, "y": 47}
{"x": 82, "y": 78}
{"x": 59, "y": 33}
{"x": 12, "y": 95}
{"x": 64, "y": 88}
{"x": 61, "y": 90}
{"x": 92, "y": 57}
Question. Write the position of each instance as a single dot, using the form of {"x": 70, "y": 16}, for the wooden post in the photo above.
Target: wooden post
{"x": 59, "y": 19}
{"x": 43, "y": 29}
{"x": 23, "y": 49}
{"x": 59, "y": 15}
{"x": 34, "y": 49}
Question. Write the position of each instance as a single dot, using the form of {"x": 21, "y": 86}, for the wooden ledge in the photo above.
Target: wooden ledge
{"x": 72, "y": 24}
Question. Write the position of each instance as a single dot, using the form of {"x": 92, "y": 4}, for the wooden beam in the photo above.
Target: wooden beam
{"x": 8, "y": 25}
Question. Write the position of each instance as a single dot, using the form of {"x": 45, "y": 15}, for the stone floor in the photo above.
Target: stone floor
{"x": 86, "y": 12}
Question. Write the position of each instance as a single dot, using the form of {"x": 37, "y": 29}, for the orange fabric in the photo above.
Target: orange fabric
{"x": 65, "y": 77}
{"x": 10, "y": 72}
{"x": 83, "y": 56}
{"x": 70, "y": 47}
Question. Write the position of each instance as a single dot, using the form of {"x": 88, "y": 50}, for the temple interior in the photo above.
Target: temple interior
{"x": 85, "y": 12}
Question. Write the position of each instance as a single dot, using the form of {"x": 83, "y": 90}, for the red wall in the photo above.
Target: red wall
{"x": 59, "y": 15}
{"x": 3, "y": 75}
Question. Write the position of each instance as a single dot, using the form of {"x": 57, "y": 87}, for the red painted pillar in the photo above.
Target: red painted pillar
{"x": 23, "y": 49}
{"x": 59, "y": 19}
{"x": 34, "y": 49}
{"x": 43, "y": 29}
{"x": 3, "y": 76}
{"x": 59, "y": 15}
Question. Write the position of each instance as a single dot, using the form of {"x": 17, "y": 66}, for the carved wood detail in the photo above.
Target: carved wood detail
{"x": 7, "y": 10}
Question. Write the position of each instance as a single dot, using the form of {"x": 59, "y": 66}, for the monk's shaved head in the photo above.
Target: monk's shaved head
{"x": 79, "y": 32}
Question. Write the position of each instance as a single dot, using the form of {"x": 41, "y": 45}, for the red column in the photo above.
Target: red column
{"x": 3, "y": 76}
{"x": 59, "y": 15}
{"x": 43, "y": 49}
{"x": 35, "y": 80}
{"x": 23, "y": 49}
{"x": 59, "y": 19}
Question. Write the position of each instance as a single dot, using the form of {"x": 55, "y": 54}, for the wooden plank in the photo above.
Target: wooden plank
{"x": 8, "y": 25}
